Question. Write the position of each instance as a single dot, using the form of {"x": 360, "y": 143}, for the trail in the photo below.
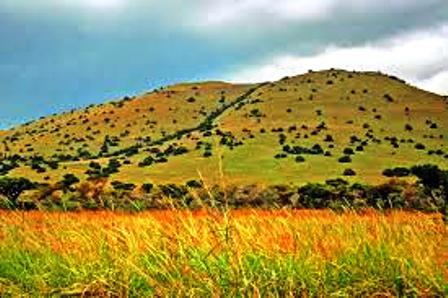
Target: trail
{"x": 203, "y": 126}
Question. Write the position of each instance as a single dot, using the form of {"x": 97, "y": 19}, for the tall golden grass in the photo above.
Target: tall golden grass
{"x": 205, "y": 253}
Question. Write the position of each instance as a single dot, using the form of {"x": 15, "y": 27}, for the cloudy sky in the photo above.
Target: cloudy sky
{"x": 59, "y": 54}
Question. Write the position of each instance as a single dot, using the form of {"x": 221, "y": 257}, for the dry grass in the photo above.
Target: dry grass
{"x": 247, "y": 252}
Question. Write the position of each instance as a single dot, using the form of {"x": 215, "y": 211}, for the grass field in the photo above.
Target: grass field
{"x": 238, "y": 253}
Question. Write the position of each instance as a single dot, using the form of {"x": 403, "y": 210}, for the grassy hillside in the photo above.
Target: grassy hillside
{"x": 292, "y": 131}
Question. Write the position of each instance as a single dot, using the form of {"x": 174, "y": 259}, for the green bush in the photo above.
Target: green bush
{"x": 349, "y": 172}
{"x": 117, "y": 185}
{"x": 12, "y": 188}
{"x": 68, "y": 180}
{"x": 345, "y": 159}
{"x": 420, "y": 146}
{"x": 348, "y": 151}
{"x": 315, "y": 195}
{"x": 194, "y": 184}
{"x": 300, "y": 159}
{"x": 147, "y": 187}
{"x": 397, "y": 172}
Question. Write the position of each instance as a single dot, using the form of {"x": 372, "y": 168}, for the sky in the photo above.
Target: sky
{"x": 61, "y": 54}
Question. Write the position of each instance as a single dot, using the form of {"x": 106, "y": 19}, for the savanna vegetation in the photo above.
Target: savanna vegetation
{"x": 299, "y": 129}
{"x": 327, "y": 183}
{"x": 428, "y": 193}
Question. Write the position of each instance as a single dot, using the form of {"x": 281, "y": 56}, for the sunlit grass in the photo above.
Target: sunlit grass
{"x": 267, "y": 253}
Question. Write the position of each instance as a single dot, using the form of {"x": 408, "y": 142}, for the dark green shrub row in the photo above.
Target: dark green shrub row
{"x": 429, "y": 194}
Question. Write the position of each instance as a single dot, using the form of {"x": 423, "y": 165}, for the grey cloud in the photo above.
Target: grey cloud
{"x": 420, "y": 57}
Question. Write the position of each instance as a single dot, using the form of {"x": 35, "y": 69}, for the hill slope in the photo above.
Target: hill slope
{"x": 291, "y": 131}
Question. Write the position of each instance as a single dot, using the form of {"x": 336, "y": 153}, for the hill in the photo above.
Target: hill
{"x": 306, "y": 128}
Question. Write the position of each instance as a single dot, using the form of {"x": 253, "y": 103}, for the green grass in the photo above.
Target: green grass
{"x": 245, "y": 253}
{"x": 371, "y": 270}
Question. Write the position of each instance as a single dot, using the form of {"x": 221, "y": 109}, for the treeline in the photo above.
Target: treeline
{"x": 430, "y": 193}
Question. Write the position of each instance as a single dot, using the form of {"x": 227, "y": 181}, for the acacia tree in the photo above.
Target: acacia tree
{"x": 435, "y": 183}
{"x": 12, "y": 188}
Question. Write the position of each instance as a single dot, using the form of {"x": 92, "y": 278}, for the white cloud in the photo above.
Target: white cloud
{"x": 437, "y": 83}
{"x": 98, "y": 4}
{"x": 231, "y": 13}
{"x": 222, "y": 12}
{"x": 419, "y": 57}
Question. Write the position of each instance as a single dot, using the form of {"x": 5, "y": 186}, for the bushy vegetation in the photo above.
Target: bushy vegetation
{"x": 258, "y": 147}
{"x": 428, "y": 194}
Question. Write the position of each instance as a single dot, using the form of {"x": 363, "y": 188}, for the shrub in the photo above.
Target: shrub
{"x": 337, "y": 183}
{"x": 430, "y": 176}
{"x": 112, "y": 167}
{"x": 435, "y": 183}
{"x": 161, "y": 160}
{"x": 345, "y": 159}
{"x": 146, "y": 162}
{"x": 397, "y": 172}
{"x": 180, "y": 150}
{"x": 329, "y": 138}
{"x": 388, "y": 98}
{"x": 408, "y": 127}
{"x": 420, "y": 146}
{"x": 348, "y": 151}
{"x": 69, "y": 180}
{"x": 12, "y": 188}
{"x": 173, "y": 191}
{"x": 316, "y": 150}
{"x": 349, "y": 172}
{"x": 388, "y": 173}
{"x": 147, "y": 187}
{"x": 95, "y": 165}
{"x": 300, "y": 159}
{"x": 54, "y": 165}
{"x": 194, "y": 184}
{"x": 314, "y": 195}
{"x": 117, "y": 185}
{"x": 401, "y": 172}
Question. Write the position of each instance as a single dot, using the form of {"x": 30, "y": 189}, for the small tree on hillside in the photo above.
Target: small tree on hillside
{"x": 435, "y": 183}
{"x": 68, "y": 180}
{"x": 12, "y": 188}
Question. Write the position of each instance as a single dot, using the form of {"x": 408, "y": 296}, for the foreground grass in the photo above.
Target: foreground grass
{"x": 244, "y": 253}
